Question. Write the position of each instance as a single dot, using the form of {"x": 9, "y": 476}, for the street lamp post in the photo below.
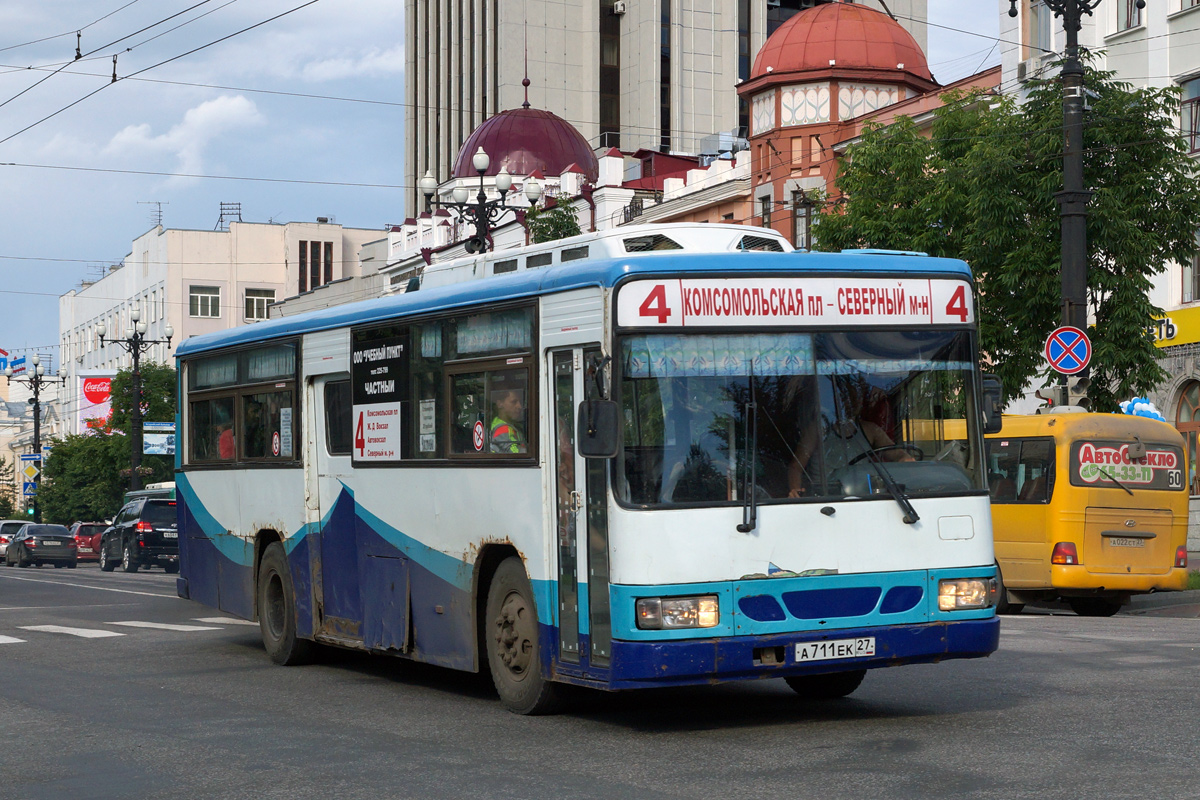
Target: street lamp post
{"x": 1074, "y": 197}
{"x": 136, "y": 343}
{"x": 35, "y": 381}
{"x": 483, "y": 213}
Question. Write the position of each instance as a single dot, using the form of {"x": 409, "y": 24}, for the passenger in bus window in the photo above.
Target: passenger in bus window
{"x": 843, "y": 436}
{"x": 225, "y": 448}
{"x": 507, "y": 418}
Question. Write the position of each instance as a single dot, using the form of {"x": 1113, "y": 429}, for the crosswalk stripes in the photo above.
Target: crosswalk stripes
{"x": 165, "y": 626}
{"x": 215, "y": 624}
{"x": 83, "y": 633}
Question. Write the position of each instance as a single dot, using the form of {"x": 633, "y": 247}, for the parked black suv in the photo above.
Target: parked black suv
{"x": 145, "y": 533}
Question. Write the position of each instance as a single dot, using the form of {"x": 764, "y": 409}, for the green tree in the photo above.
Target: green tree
{"x": 158, "y": 405}
{"x": 982, "y": 188}
{"x": 87, "y": 475}
{"x": 82, "y": 479}
{"x": 554, "y": 222}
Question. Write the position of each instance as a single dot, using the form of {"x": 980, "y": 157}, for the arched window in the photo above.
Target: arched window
{"x": 1187, "y": 420}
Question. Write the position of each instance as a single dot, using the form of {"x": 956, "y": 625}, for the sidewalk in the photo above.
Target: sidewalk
{"x": 1165, "y": 604}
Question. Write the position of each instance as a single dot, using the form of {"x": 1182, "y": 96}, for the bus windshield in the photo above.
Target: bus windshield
{"x": 830, "y": 413}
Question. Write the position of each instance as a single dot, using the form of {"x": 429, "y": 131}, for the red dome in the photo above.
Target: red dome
{"x": 525, "y": 139}
{"x": 851, "y": 35}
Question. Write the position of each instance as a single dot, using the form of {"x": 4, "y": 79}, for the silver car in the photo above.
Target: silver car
{"x": 8, "y": 529}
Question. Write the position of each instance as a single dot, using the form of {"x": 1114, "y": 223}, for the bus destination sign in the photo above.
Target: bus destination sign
{"x": 767, "y": 302}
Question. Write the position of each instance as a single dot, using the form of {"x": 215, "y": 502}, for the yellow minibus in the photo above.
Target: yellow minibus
{"x": 1087, "y": 508}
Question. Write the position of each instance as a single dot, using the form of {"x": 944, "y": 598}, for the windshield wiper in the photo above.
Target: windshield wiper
{"x": 910, "y": 514}
{"x": 750, "y": 503}
{"x": 1112, "y": 478}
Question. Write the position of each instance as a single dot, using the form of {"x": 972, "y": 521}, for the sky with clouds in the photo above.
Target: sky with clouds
{"x": 311, "y": 100}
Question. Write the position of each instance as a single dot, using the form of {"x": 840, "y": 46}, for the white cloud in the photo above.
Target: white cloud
{"x": 373, "y": 64}
{"x": 188, "y": 140}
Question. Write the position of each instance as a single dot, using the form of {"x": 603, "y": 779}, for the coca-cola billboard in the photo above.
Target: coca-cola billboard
{"x": 95, "y": 401}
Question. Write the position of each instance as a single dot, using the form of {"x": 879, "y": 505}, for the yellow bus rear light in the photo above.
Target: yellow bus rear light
{"x": 1065, "y": 553}
{"x": 1181, "y": 556}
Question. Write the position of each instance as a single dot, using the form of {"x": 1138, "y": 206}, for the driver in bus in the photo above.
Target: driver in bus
{"x": 843, "y": 440}
{"x": 507, "y": 436}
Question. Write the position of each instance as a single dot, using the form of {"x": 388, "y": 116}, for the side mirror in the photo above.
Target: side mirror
{"x": 598, "y": 428}
{"x": 993, "y": 390}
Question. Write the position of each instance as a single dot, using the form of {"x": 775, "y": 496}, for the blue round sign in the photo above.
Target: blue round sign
{"x": 1068, "y": 350}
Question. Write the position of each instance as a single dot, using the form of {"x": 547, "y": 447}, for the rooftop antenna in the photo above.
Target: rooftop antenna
{"x": 228, "y": 212}
{"x": 156, "y": 214}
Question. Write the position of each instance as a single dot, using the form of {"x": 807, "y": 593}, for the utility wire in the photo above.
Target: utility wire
{"x": 159, "y": 64}
{"x": 68, "y": 33}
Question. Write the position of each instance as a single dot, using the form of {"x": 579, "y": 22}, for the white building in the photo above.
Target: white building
{"x": 195, "y": 281}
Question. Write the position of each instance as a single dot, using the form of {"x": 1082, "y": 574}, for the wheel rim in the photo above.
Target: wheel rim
{"x": 126, "y": 558}
{"x": 274, "y": 608}
{"x": 515, "y": 630}
{"x": 103, "y": 558}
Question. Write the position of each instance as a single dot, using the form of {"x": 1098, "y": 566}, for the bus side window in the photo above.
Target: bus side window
{"x": 1037, "y": 464}
{"x": 338, "y": 418}
{"x": 1002, "y": 469}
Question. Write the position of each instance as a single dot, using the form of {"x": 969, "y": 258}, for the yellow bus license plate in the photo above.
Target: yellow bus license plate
{"x": 1126, "y": 541}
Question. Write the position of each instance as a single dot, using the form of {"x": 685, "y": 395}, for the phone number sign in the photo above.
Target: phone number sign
{"x": 779, "y": 302}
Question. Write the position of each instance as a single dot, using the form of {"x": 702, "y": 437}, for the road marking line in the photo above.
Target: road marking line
{"x": 164, "y": 626}
{"x": 226, "y": 621}
{"x": 10, "y": 640}
{"x": 85, "y": 586}
{"x": 83, "y": 633}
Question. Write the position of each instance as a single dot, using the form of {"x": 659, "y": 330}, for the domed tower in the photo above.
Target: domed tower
{"x": 822, "y": 69}
{"x": 523, "y": 140}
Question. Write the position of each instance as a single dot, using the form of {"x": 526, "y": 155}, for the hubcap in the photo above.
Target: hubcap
{"x": 274, "y": 610}
{"x": 514, "y": 632}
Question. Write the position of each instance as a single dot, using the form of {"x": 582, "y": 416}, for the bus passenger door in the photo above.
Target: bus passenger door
{"x": 329, "y": 507}
{"x": 580, "y": 512}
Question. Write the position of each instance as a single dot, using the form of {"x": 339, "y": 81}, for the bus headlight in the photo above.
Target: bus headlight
{"x": 670, "y": 613}
{"x": 965, "y": 593}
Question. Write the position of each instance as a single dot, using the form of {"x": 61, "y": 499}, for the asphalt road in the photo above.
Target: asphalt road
{"x": 1068, "y": 708}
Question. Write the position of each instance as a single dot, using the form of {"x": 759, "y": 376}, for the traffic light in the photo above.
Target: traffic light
{"x": 29, "y": 510}
{"x": 1054, "y": 395}
{"x": 1077, "y": 392}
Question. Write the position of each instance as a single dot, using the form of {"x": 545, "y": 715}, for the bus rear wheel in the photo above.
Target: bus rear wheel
{"x": 277, "y": 610}
{"x": 1094, "y": 606}
{"x": 826, "y": 687}
{"x": 512, "y": 643}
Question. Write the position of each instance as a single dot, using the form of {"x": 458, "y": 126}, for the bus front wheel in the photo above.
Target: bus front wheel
{"x": 277, "y": 610}
{"x": 512, "y": 643}
{"x": 826, "y": 687}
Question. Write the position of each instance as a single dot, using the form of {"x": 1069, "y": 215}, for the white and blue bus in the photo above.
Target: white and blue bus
{"x": 652, "y": 456}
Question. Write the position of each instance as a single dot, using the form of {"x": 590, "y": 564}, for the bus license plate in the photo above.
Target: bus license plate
{"x": 838, "y": 648}
{"x": 1126, "y": 541}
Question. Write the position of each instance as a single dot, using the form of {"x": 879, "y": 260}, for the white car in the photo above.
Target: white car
{"x": 8, "y": 529}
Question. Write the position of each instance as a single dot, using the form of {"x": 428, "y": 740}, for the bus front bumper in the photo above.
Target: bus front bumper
{"x": 705, "y": 661}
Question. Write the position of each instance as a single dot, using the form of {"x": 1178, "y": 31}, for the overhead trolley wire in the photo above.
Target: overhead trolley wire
{"x": 159, "y": 64}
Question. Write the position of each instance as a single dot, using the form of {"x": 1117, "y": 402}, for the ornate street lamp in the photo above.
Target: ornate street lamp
{"x": 482, "y": 213}
{"x": 136, "y": 343}
{"x": 35, "y": 380}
